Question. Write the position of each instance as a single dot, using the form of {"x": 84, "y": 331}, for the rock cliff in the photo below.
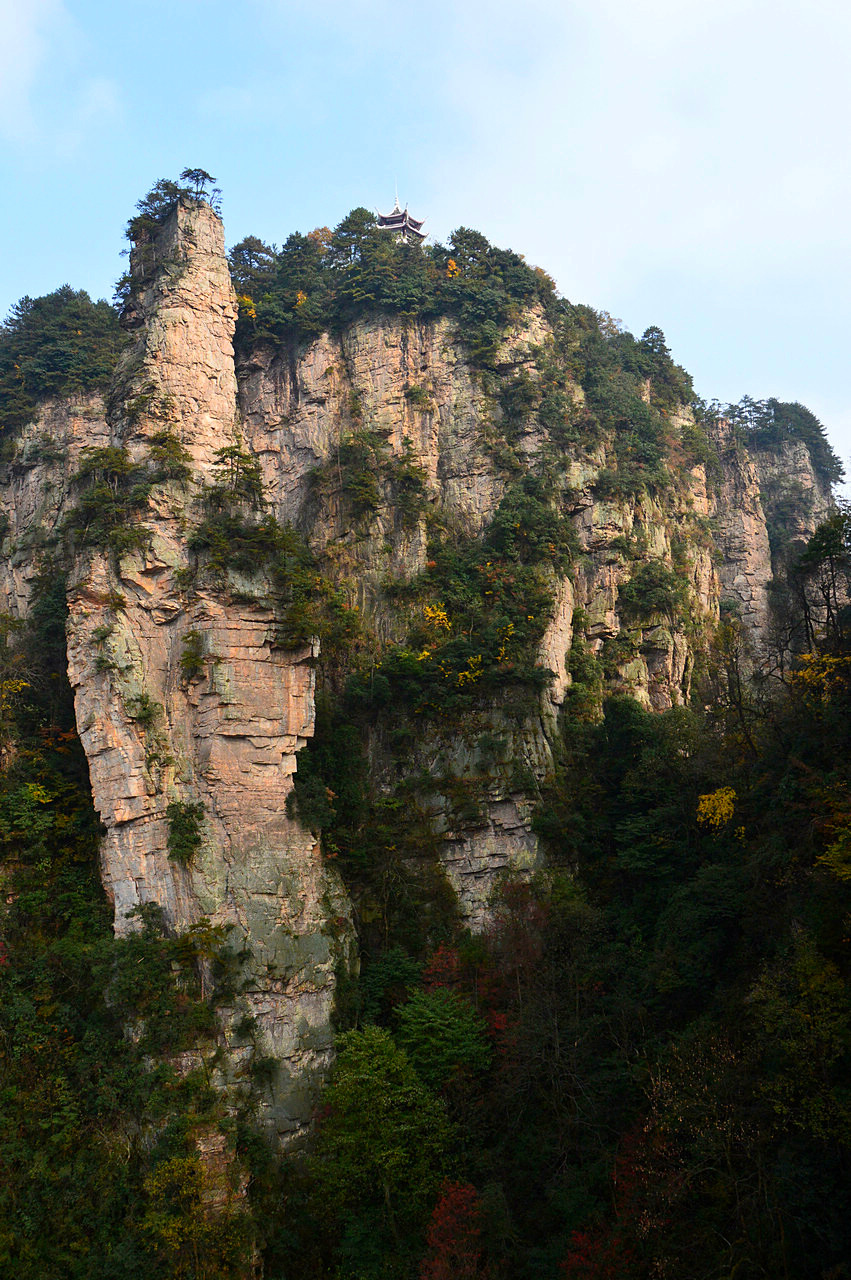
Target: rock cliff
{"x": 189, "y": 706}
{"x": 220, "y": 741}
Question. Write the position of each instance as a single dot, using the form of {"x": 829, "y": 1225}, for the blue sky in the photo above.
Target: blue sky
{"x": 673, "y": 162}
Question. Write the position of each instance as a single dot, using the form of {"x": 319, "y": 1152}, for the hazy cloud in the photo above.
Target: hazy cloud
{"x": 94, "y": 104}
{"x": 43, "y": 99}
{"x": 27, "y": 28}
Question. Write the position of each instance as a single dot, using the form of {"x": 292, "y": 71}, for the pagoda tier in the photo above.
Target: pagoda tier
{"x": 400, "y": 222}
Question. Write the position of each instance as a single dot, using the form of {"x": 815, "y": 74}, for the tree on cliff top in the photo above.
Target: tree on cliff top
{"x": 164, "y": 195}
{"x": 767, "y": 424}
{"x": 200, "y": 186}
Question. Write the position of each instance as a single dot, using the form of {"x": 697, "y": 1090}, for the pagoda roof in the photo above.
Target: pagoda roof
{"x": 400, "y": 220}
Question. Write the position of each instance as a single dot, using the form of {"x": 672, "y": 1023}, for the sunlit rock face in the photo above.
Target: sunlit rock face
{"x": 220, "y": 735}
{"x": 413, "y": 386}
{"x": 225, "y": 737}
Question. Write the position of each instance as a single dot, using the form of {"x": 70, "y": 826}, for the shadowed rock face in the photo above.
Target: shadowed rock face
{"x": 224, "y": 733}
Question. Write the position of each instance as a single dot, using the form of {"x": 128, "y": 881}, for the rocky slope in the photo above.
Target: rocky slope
{"x": 183, "y": 697}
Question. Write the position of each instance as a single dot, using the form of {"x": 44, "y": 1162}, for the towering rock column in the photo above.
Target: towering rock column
{"x": 215, "y": 737}
{"x": 741, "y": 535}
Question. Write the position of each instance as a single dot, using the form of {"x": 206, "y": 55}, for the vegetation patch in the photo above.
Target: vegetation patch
{"x": 768, "y": 424}
{"x": 99, "y": 1126}
{"x": 653, "y": 590}
{"x": 62, "y": 344}
{"x": 184, "y": 831}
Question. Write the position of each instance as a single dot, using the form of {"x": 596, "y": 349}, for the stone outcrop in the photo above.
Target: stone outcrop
{"x": 37, "y": 489}
{"x": 741, "y": 535}
{"x": 184, "y": 701}
{"x": 218, "y": 741}
{"x": 794, "y": 497}
{"x": 766, "y": 505}
{"x": 411, "y": 387}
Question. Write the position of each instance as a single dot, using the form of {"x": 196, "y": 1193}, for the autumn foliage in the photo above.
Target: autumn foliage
{"x": 454, "y": 1235}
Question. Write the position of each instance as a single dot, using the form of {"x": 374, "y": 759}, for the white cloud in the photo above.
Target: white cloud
{"x": 658, "y": 132}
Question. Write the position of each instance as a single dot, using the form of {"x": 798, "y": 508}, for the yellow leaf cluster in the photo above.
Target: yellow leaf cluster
{"x": 507, "y": 633}
{"x": 9, "y": 690}
{"x": 472, "y": 673}
{"x": 437, "y": 616}
{"x": 716, "y": 808}
{"x": 837, "y": 857}
{"x": 819, "y": 675}
{"x": 247, "y": 307}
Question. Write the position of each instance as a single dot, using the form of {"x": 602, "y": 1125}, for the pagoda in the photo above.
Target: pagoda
{"x": 400, "y": 223}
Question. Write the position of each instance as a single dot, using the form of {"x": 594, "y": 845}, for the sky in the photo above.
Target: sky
{"x": 680, "y": 163}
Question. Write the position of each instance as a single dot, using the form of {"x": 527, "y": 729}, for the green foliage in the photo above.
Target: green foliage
{"x": 443, "y": 1036}
{"x": 767, "y": 424}
{"x": 697, "y": 445}
{"x": 233, "y": 535}
{"x": 170, "y": 460}
{"x": 155, "y": 206}
{"x": 818, "y": 580}
{"x": 733, "y": 977}
{"x": 188, "y": 1234}
{"x": 803, "y": 1008}
{"x": 483, "y": 606}
{"x": 653, "y": 589}
{"x": 386, "y": 982}
{"x": 358, "y": 461}
{"x": 631, "y": 390}
{"x": 96, "y": 1123}
{"x": 226, "y": 540}
{"x": 327, "y": 279}
{"x": 477, "y": 616}
{"x": 142, "y": 708}
{"x": 192, "y": 655}
{"x": 62, "y": 344}
{"x": 418, "y": 398}
{"x": 238, "y": 481}
{"x": 366, "y": 472}
{"x": 527, "y": 528}
{"x": 380, "y": 1153}
{"x": 408, "y": 493}
{"x": 112, "y": 490}
{"x": 184, "y": 831}
{"x": 306, "y": 604}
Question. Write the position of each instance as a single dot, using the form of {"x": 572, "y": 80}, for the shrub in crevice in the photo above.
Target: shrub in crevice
{"x": 184, "y": 830}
